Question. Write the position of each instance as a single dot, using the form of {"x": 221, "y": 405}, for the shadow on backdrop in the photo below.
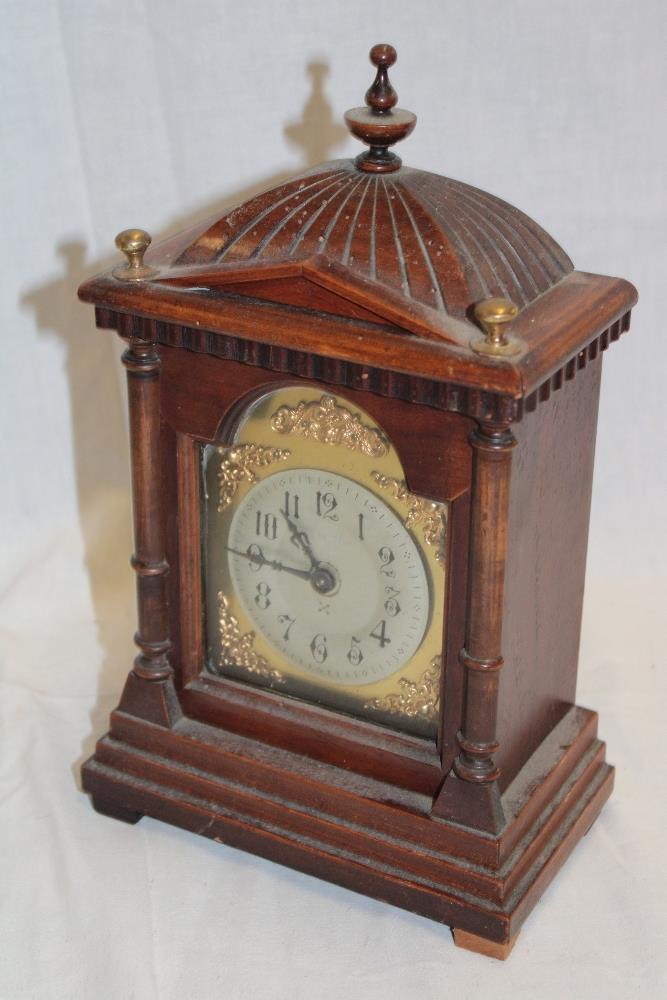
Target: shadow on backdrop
{"x": 97, "y": 406}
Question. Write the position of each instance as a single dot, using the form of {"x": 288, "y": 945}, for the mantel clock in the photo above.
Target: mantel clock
{"x": 362, "y": 415}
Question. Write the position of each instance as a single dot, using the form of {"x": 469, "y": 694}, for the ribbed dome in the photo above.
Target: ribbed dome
{"x": 450, "y": 244}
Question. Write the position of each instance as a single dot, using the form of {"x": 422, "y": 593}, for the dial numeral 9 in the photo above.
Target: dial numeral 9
{"x": 255, "y": 557}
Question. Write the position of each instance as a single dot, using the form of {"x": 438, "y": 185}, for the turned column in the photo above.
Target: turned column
{"x": 470, "y": 795}
{"x": 481, "y": 655}
{"x": 152, "y": 637}
{"x": 149, "y": 691}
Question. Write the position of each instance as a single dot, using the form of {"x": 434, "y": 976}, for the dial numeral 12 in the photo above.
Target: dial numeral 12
{"x": 326, "y": 505}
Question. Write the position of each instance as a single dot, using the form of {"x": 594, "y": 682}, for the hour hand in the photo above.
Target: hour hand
{"x": 300, "y": 539}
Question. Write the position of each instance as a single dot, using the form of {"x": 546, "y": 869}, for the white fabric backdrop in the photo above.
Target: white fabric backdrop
{"x": 156, "y": 113}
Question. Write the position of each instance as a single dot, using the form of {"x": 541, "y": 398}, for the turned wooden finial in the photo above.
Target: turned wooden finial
{"x": 494, "y": 315}
{"x": 381, "y": 96}
{"x": 378, "y": 124}
{"x": 133, "y": 243}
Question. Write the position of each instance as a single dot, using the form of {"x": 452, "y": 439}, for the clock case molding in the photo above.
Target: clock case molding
{"x": 365, "y": 285}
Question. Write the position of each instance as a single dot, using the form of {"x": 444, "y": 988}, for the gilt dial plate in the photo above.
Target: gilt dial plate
{"x": 324, "y": 576}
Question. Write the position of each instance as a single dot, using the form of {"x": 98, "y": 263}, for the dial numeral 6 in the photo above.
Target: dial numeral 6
{"x": 318, "y": 647}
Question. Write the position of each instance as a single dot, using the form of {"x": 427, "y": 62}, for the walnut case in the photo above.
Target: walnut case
{"x": 362, "y": 280}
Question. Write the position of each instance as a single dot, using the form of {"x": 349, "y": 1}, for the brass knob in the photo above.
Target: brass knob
{"x": 133, "y": 243}
{"x": 494, "y": 315}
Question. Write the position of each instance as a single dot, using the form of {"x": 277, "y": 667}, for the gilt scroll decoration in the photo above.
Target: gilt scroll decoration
{"x": 417, "y": 699}
{"x": 237, "y": 647}
{"x": 430, "y": 515}
{"x": 326, "y": 421}
{"x": 238, "y": 465}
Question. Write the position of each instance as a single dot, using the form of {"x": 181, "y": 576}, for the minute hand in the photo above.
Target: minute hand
{"x": 261, "y": 560}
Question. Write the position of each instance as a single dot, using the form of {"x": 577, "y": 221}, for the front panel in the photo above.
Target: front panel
{"x": 337, "y": 466}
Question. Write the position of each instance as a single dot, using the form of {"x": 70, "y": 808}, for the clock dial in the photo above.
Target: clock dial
{"x": 329, "y": 575}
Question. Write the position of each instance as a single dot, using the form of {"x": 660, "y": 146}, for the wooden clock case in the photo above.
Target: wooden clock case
{"x": 363, "y": 283}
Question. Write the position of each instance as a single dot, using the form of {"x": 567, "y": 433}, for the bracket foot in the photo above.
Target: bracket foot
{"x": 108, "y": 808}
{"x": 472, "y": 942}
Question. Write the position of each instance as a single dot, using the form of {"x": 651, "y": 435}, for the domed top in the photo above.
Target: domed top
{"x": 414, "y": 259}
{"x": 430, "y": 247}
{"x": 436, "y": 242}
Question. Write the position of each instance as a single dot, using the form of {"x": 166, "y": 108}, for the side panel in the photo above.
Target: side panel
{"x": 552, "y": 473}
